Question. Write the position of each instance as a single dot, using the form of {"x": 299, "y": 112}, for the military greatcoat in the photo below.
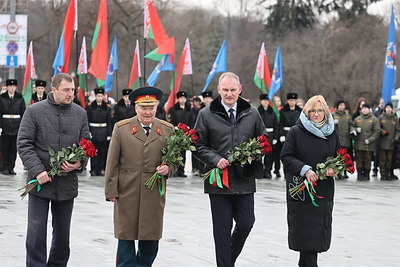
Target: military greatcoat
{"x": 132, "y": 159}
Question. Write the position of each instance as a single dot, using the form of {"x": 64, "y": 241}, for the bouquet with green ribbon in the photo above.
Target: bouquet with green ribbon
{"x": 71, "y": 154}
{"x": 182, "y": 139}
{"x": 245, "y": 153}
{"x": 340, "y": 163}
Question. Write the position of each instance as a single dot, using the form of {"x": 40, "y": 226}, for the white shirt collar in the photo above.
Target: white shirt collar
{"x": 145, "y": 126}
{"x": 228, "y": 108}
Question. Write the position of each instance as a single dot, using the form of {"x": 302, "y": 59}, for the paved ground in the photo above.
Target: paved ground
{"x": 366, "y": 227}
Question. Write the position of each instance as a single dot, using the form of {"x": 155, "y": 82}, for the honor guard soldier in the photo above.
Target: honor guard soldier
{"x": 12, "y": 107}
{"x": 99, "y": 118}
{"x": 207, "y": 97}
{"x": 180, "y": 113}
{"x": 271, "y": 124}
{"x": 124, "y": 108}
{"x": 39, "y": 94}
{"x": 134, "y": 155}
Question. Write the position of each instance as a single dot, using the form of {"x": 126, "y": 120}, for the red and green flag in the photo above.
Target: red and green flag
{"x": 29, "y": 76}
{"x": 82, "y": 72}
{"x": 134, "y": 79}
{"x": 99, "y": 58}
{"x": 262, "y": 77}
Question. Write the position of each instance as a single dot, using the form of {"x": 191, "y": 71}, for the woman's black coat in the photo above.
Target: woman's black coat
{"x": 310, "y": 227}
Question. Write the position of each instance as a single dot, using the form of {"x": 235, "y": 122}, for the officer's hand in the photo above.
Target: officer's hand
{"x": 358, "y": 129}
{"x": 223, "y": 163}
{"x": 311, "y": 176}
{"x": 43, "y": 177}
{"x": 353, "y": 133}
{"x": 108, "y": 138}
{"x": 1, "y": 130}
{"x": 67, "y": 167}
{"x": 162, "y": 170}
{"x": 274, "y": 142}
{"x": 282, "y": 138}
{"x": 366, "y": 141}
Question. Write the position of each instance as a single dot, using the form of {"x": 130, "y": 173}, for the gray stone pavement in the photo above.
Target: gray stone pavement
{"x": 366, "y": 226}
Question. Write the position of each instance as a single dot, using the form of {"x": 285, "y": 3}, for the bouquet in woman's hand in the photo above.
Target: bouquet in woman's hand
{"x": 245, "y": 153}
{"x": 182, "y": 139}
{"x": 71, "y": 154}
{"x": 339, "y": 164}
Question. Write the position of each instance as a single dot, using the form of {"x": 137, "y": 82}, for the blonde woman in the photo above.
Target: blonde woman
{"x": 312, "y": 140}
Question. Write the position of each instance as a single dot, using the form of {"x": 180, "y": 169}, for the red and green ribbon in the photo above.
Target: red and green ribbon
{"x": 39, "y": 186}
{"x": 219, "y": 177}
{"x": 311, "y": 192}
{"x": 162, "y": 185}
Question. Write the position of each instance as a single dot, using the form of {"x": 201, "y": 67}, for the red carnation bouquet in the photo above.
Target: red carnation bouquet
{"x": 71, "y": 154}
{"x": 339, "y": 164}
{"x": 182, "y": 139}
{"x": 245, "y": 153}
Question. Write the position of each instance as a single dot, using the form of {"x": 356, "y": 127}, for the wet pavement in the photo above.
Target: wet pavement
{"x": 366, "y": 226}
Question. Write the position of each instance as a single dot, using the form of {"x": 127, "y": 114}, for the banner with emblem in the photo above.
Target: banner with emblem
{"x": 276, "y": 79}
{"x": 29, "y": 76}
{"x": 262, "y": 77}
{"x": 134, "y": 78}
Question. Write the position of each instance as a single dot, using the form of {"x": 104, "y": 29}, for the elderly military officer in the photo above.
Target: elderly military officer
{"x": 134, "y": 155}
{"x": 226, "y": 123}
{"x": 39, "y": 94}
{"x": 12, "y": 107}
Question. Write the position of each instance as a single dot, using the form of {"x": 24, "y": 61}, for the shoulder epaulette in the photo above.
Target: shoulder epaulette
{"x": 123, "y": 122}
{"x": 169, "y": 125}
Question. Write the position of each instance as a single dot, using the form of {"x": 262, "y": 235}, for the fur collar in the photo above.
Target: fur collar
{"x": 177, "y": 107}
{"x": 216, "y": 106}
{"x": 16, "y": 95}
{"x": 104, "y": 105}
{"x": 287, "y": 108}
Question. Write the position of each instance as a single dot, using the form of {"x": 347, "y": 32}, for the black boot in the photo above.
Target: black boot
{"x": 267, "y": 174}
{"x": 383, "y": 176}
{"x": 360, "y": 176}
{"x": 366, "y": 174}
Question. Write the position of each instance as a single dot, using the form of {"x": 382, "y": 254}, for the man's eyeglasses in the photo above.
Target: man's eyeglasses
{"x": 313, "y": 111}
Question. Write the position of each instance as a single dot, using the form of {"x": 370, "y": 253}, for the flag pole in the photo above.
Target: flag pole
{"x": 116, "y": 83}
{"x": 191, "y": 78}
{"x": 144, "y": 61}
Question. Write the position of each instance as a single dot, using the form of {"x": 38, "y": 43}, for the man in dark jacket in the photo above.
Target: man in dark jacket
{"x": 99, "y": 118}
{"x": 271, "y": 123}
{"x": 197, "y": 105}
{"x": 54, "y": 123}
{"x": 12, "y": 107}
{"x": 124, "y": 109}
{"x": 225, "y": 124}
{"x": 39, "y": 94}
{"x": 180, "y": 113}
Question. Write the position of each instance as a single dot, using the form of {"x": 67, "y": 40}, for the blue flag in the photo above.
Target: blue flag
{"x": 112, "y": 66}
{"x": 389, "y": 72}
{"x": 59, "y": 59}
{"x": 277, "y": 78}
{"x": 218, "y": 66}
{"x": 163, "y": 65}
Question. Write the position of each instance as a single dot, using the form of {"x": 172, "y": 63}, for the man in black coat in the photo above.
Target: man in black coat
{"x": 54, "y": 123}
{"x": 12, "y": 108}
{"x": 124, "y": 108}
{"x": 197, "y": 105}
{"x": 226, "y": 123}
{"x": 180, "y": 113}
{"x": 289, "y": 114}
{"x": 99, "y": 118}
{"x": 39, "y": 94}
{"x": 271, "y": 123}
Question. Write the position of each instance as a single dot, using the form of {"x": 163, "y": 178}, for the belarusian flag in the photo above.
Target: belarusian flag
{"x": 99, "y": 58}
{"x": 184, "y": 68}
{"x": 262, "y": 76}
{"x": 146, "y": 23}
{"x": 82, "y": 72}
{"x": 29, "y": 76}
{"x": 134, "y": 79}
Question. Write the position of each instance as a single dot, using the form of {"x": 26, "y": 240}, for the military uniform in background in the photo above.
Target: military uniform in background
{"x": 99, "y": 118}
{"x": 35, "y": 96}
{"x": 124, "y": 109}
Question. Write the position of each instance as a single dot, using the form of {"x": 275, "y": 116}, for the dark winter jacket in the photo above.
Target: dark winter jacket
{"x": 389, "y": 131}
{"x": 288, "y": 118}
{"x": 179, "y": 115}
{"x": 36, "y": 99}
{"x": 310, "y": 227}
{"x": 45, "y": 125}
{"x": 218, "y": 137}
{"x": 366, "y": 127}
{"x": 121, "y": 111}
{"x": 11, "y": 112}
{"x": 99, "y": 118}
{"x": 270, "y": 121}
{"x": 194, "y": 113}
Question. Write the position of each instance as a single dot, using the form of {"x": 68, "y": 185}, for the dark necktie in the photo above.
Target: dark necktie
{"x": 147, "y": 128}
{"x": 232, "y": 115}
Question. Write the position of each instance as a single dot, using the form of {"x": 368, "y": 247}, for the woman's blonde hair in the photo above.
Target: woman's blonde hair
{"x": 311, "y": 104}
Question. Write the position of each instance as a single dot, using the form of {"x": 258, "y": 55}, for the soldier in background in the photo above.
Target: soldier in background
{"x": 12, "y": 107}
{"x": 343, "y": 122}
{"x": 180, "y": 113}
{"x": 271, "y": 124}
{"x": 99, "y": 118}
{"x": 197, "y": 105}
{"x": 207, "y": 97}
{"x": 39, "y": 94}
{"x": 124, "y": 108}
{"x": 289, "y": 114}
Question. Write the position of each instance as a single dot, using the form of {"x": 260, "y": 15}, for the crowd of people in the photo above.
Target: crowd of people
{"x": 130, "y": 134}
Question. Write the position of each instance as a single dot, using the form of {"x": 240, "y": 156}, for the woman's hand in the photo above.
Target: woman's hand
{"x": 330, "y": 172}
{"x": 311, "y": 176}
{"x": 162, "y": 170}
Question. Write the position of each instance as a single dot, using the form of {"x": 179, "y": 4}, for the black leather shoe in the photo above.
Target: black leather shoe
{"x": 12, "y": 172}
{"x": 5, "y": 172}
{"x": 180, "y": 174}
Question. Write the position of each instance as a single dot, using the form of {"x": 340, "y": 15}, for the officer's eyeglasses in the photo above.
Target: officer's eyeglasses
{"x": 313, "y": 111}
